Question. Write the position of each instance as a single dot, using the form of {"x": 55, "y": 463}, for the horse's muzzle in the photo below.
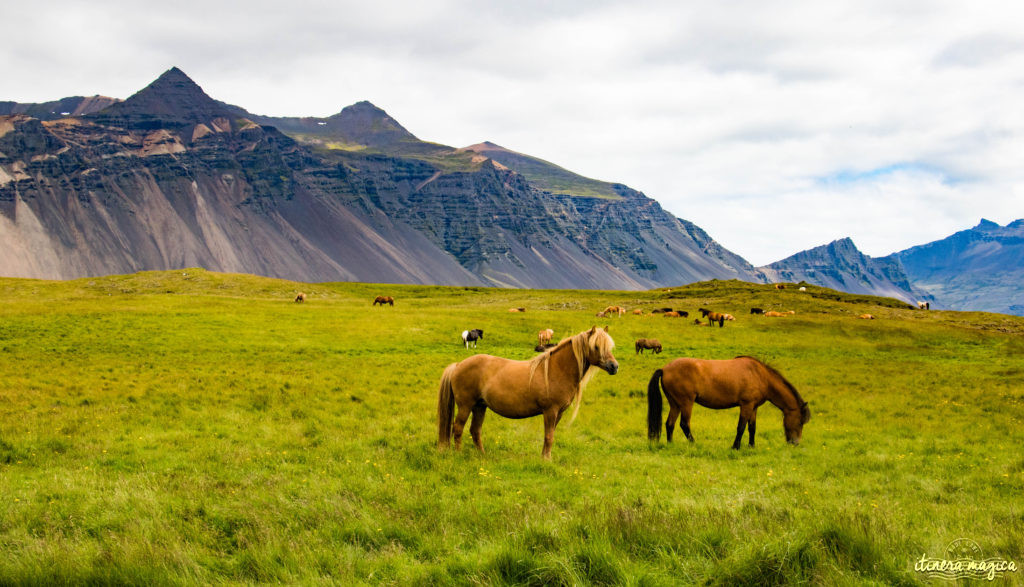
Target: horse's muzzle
{"x": 612, "y": 367}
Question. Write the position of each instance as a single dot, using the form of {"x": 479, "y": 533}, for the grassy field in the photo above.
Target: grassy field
{"x": 193, "y": 427}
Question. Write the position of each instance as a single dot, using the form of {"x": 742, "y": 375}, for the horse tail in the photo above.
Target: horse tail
{"x": 654, "y": 406}
{"x": 445, "y": 407}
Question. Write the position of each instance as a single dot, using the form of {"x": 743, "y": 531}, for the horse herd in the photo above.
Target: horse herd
{"x": 548, "y": 384}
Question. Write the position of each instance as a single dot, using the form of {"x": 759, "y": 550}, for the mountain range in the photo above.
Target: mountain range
{"x": 171, "y": 178}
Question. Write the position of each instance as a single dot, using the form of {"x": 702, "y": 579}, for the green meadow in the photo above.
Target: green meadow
{"x": 189, "y": 427}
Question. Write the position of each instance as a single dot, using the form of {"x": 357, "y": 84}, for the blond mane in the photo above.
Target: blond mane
{"x": 600, "y": 341}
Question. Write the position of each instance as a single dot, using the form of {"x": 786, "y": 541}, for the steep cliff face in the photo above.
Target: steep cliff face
{"x": 977, "y": 269}
{"x": 172, "y": 178}
{"x": 128, "y": 190}
{"x": 840, "y": 265}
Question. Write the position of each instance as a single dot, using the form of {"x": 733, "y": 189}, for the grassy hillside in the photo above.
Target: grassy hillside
{"x": 193, "y": 427}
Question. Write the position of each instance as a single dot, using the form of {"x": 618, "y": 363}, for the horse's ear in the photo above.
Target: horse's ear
{"x": 606, "y": 327}
{"x": 592, "y": 329}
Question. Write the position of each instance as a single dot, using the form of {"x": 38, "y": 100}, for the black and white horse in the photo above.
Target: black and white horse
{"x": 471, "y": 336}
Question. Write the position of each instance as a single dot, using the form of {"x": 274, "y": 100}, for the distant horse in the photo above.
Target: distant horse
{"x": 384, "y": 300}
{"x": 661, "y": 310}
{"x": 713, "y": 317}
{"x": 774, "y": 314}
{"x": 728, "y": 316}
{"x": 671, "y": 315}
{"x": 638, "y": 312}
{"x": 866, "y": 317}
{"x": 545, "y": 385}
{"x": 780, "y": 286}
{"x": 610, "y": 310}
{"x": 756, "y": 311}
{"x": 744, "y": 381}
{"x": 924, "y": 305}
{"x": 514, "y": 310}
{"x": 651, "y": 344}
{"x": 301, "y": 297}
{"x": 543, "y": 347}
{"x": 471, "y": 336}
{"x": 544, "y": 336}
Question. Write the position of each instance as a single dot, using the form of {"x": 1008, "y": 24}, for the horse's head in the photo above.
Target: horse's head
{"x": 793, "y": 421}
{"x": 599, "y": 350}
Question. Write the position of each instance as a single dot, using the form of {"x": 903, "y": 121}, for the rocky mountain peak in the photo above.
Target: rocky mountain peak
{"x": 366, "y": 124}
{"x": 171, "y": 100}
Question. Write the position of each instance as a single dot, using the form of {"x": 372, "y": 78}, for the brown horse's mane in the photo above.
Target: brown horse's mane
{"x": 805, "y": 413}
{"x": 578, "y": 343}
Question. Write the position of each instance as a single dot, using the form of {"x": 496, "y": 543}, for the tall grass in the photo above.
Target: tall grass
{"x": 193, "y": 427}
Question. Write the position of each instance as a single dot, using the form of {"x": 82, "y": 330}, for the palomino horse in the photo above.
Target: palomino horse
{"x": 744, "y": 381}
{"x": 544, "y": 336}
{"x": 610, "y": 310}
{"x": 301, "y": 297}
{"x": 547, "y": 384}
{"x": 384, "y": 300}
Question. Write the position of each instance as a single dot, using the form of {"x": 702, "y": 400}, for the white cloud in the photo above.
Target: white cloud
{"x": 730, "y": 114}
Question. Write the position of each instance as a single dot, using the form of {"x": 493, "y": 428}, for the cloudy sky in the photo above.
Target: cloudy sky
{"x": 775, "y": 126}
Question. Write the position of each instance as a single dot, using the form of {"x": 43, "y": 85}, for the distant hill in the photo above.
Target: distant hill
{"x": 840, "y": 265}
{"x": 172, "y": 178}
{"x": 981, "y": 268}
{"x": 73, "y": 106}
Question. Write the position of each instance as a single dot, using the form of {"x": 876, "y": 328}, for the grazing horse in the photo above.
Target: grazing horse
{"x": 544, "y": 336}
{"x": 756, "y": 311}
{"x": 514, "y": 310}
{"x": 652, "y": 344}
{"x": 638, "y": 312}
{"x": 384, "y": 300}
{"x": 780, "y": 286}
{"x": 471, "y": 336}
{"x": 301, "y": 297}
{"x": 744, "y": 381}
{"x": 866, "y": 317}
{"x": 618, "y": 310}
{"x": 671, "y": 315}
{"x": 545, "y": 385}
{"x": 924, "y": 305}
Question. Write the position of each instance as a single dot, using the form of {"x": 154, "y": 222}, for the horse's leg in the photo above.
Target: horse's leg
{"x": 551, "y": 418}
{"x": 460, "y": 424}
{"x": 684, "y": 422}
{"x": 752, "y": 426}
{"x": 746, "y": 415}
{"x": 479, "y": 411}
{"x": 670, "y": 423}
{"x": 739, "y": 431}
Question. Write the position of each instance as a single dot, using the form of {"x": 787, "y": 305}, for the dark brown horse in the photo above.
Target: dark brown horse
{"x": 384, "y": 300}
{"x": 744, "y": 381}
{"x": 547, "y": 384}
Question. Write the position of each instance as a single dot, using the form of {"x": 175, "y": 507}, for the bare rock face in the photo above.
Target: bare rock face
{"x": 171, "y": 178}
{"x": 840, "y": 265}
{"x": 981, "y": 268}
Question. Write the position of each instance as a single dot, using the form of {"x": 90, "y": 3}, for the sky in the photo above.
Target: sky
{"x": 774, "y": 126}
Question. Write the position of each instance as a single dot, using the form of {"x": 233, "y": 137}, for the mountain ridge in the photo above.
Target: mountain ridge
{"x": 171, "y": 177}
